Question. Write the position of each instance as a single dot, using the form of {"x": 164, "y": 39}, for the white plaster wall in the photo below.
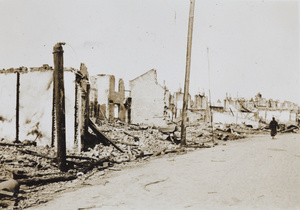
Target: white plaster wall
{"x": 36, "y": 91}
{"x": 238, "y": 118}
{"x": 102, "y": 91}
{"x": 147, "y": 100}
{"x": 102, "y": 85}
{"x": 280, "y": 116}
{"x": 8, "y": 106}
{"x": 69, "y": 78}
{"x": 294, "y": 117}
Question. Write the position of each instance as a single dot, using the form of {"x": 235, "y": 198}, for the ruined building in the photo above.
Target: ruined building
{"x": 153, "y": 103}
{"x": 178, "y": 102}
{"x": 200, "y": 102}
{"x": 148, "y": 99}
{"x": 27, "y": 101}
{"x": 262, "y": 109}
{"x": 107, "y": 103}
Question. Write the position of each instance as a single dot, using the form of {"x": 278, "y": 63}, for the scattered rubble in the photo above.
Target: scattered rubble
{"x": 27, "y": 168}
{"x": 290, "y": 128}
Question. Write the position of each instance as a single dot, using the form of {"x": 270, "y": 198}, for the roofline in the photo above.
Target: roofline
{"x": 143, "y": 74}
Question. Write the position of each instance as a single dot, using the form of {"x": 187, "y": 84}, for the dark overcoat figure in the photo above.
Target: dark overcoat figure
{"x": 273, "y": 126}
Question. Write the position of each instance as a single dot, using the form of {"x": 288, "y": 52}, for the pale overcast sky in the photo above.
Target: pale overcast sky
{"x": 253, "y": 45}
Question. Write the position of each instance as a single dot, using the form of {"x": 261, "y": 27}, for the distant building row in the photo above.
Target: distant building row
{"x": 151, "y": 103}
{"x": 260, "y": 103}
{"x": 148, "y": 102}
{"x": 97, "y": 98}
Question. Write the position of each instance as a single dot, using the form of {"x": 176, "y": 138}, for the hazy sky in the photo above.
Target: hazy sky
{"x": 253, "y": 45}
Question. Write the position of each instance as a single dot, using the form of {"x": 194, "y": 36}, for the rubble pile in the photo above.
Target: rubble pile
{"x": 135, "y": 142}
{"x": 18, "y": 164}
{"x": 35, "y": 167}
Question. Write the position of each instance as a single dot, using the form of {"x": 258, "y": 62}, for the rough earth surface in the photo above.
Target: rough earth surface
{"x": 252, "y": 173}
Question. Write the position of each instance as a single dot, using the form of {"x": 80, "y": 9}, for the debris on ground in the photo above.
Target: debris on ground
{"x": 26, "y": 169}
{"x": 290, "y": 128}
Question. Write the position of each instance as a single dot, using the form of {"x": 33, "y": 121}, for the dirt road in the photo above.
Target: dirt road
{"x": 253, "y": 173}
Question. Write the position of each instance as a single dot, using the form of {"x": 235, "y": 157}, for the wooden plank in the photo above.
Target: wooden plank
{"x": 46, "y": 180}
{"x": 102, "y": 137}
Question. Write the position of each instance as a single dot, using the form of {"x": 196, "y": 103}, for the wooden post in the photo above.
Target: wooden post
{"x": 84, "y": 108}
{"x": 211, "y": 119}
{"x": 87, "y": 110}
{"x": 60, "y": 105}
{"x": 53, "y": 115}
{"x": 86, "y": 114}
{"x": 76, "y": 118}
{"x": 83, "y": 125}
{"x": 187, "y": 73}
{"x": 17, "y": 107}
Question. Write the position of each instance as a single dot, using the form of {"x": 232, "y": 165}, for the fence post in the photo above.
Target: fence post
{"x": 60, "y": 105}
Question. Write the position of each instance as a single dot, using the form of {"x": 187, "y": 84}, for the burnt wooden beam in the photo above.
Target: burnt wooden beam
{"x": 46, "y": 180}
{"x": 53, "y": 115}
{"x": 84, "y": 105}
{"x": 102, "y": 137}
{"x": 60, "y": 105}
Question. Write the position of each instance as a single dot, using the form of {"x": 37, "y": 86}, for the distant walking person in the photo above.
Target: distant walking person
{"x": 273, "y": 126}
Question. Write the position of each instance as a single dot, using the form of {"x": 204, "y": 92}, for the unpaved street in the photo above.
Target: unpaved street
{"x": 253, "y": 173}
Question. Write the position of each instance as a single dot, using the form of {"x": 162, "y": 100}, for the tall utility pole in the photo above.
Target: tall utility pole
{"x": 210, "y": 112}
{"x": 187, "y": 73}
{"x": 59, "y": 92}
{"x": 18, "y": 107}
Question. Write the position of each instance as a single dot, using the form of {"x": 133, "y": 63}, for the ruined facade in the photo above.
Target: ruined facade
{"x": 200, "y": 102}
{"x": 263, "y": 109}
{"x": 198, "y": 111}
{"x": 35, "y": 104}
{"x": 240, "y": 104}
{"x": 107, "y": 103}
{"x": 148, "y": 99}
{"x": 154, "y": 104}
{"x": 178, "y": 102}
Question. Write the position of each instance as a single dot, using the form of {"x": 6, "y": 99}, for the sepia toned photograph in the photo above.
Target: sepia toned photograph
{"x": 149, "y": 104}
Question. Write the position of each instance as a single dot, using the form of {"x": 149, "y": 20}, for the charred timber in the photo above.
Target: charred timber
{"x": 60, "y": 105}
